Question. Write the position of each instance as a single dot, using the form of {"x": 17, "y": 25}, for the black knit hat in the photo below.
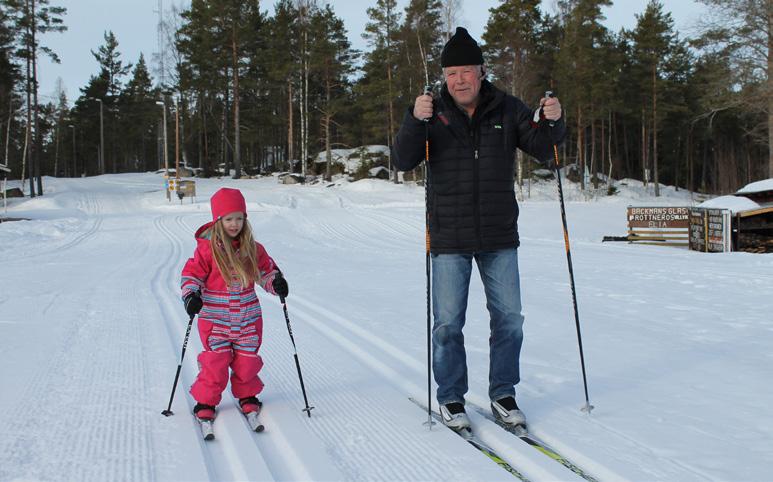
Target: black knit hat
{"x": 461, "y": 49}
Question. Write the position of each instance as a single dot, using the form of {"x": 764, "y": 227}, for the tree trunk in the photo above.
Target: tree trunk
{"x": 628, "y": 167}
{"x": 237, "y": 136}
{"x": 655, "y": 128}
{"x": 770, "y": 90}
{"x": 644, "y": 139}
{"x": 390, "y": 131}
{"x": 56, "y": 149}
{"x": 327, "y": 120}
{"x": 36, "y": 140}
{"x": 580, "y": 149}
{"x": 27, "y": 144}
{"x": 290, "y": 153}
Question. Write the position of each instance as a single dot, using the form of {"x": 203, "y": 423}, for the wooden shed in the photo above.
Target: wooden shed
{"x": 753, "y": 228}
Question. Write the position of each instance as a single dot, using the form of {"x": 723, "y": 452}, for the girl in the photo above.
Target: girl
{"x": 218, "y": 281}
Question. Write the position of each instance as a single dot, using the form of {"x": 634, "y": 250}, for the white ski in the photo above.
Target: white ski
{"x": 252, "y": 419}
{"x": 207, "y": 428}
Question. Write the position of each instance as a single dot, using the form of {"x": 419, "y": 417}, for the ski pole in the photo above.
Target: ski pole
{"x": 295, "y": 354}
{"x": 587, "y": 407}
{"x": 429, "y": 422}
{"x": 168, "y": 410}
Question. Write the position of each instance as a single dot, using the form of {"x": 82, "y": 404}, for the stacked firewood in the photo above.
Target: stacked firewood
{"x": 755, "y": 243}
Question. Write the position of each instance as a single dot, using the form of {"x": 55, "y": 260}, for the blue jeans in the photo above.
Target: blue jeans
{"x": 450, "y": 287}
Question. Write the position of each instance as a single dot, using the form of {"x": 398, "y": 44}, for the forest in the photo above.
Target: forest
{"x": 236, "y": 90}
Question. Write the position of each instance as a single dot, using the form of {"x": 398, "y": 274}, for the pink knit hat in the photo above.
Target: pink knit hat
{"x": 226, "y": 201}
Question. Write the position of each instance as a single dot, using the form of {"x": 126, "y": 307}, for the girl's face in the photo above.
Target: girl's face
{"x": 233, "y": 223}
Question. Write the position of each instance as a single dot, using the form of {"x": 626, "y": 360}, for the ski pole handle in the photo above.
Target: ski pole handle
{"x": 549, "y": 95}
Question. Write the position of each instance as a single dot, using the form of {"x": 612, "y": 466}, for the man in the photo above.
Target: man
{"x": 474, "y": 129}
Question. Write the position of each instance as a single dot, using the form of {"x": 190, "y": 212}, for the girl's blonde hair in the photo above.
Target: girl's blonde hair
{"x": 241, "y": 265}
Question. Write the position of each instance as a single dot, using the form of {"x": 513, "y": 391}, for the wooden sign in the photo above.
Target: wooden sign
{"x": 661, "y": 217}
{"x": 710, "y": 230}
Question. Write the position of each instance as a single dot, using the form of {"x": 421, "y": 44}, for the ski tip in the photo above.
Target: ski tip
{"x": 260, "y": 428}
{"x": 209, "y": 436}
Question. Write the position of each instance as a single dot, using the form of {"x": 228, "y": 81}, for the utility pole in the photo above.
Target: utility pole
{"x": 177, "y": 142}
{"x": 166, "y": 151}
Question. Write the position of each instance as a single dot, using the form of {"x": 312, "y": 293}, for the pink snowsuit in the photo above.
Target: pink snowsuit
{"x": 230, "y": 323}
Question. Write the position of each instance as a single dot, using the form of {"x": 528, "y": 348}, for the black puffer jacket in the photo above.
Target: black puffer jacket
{"x": 472, "y": 204}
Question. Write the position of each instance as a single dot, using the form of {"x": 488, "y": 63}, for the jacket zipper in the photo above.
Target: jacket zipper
{"x": 475, "y": 188}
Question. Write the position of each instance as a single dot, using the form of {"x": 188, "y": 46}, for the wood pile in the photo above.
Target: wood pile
{"x": 755, "y": 243}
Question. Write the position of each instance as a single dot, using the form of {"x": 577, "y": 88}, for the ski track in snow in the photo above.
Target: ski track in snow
{"x": 87, "y": 406}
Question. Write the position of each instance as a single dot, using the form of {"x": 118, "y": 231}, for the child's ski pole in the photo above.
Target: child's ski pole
{"x": 168, "y": 410}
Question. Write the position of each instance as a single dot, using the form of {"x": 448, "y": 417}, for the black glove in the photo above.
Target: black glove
{"x": 193, "y": 304}
{"x": 280, "y": 286}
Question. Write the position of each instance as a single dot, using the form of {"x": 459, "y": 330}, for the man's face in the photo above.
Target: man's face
{"x": 464, "y": 83}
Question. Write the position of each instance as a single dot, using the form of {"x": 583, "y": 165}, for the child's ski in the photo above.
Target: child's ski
{"x": 252, "y": 420}
{"x": 207, "y": 428}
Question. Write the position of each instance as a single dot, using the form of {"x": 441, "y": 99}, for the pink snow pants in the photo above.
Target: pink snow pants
{"x": 228, "y": 345}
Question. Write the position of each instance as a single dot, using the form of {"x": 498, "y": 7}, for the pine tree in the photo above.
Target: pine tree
{"x": 653, "y": 41}
{"x": 332, "y": 61}
{"x": 30, "y": 19}
{"x": 509, "y": 37}
{"x": 112, "y": 70}
{"x": 577, "y": 63}
{"x": 10, "y": 78}
{"x": 138, "y": 114}
{"x": 282, "y": 65}
{"x": 377, "y": 87}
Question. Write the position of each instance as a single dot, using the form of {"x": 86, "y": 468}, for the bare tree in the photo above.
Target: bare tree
{"x": 452, "y": 12}
{"x": 743, "y": 29}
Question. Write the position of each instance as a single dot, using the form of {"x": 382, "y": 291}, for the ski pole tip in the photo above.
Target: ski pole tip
{"x": 587, "y": 408}
{"x": 167, "y": 413}
{"x": 307, "y": 410}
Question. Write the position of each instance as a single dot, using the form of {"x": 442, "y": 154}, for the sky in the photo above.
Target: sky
{"x": 134, "y": 24}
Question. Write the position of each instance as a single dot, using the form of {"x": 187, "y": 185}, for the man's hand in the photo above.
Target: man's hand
{"x": 422, "y": 108}
{"x": 551, "y": 108}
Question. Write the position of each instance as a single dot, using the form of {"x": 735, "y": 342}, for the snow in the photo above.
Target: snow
{"x": 735, "y": 204}
{"x": 677, "y": 343}
{"x": 352, "y": 158}
{"x": 759, "y": 186}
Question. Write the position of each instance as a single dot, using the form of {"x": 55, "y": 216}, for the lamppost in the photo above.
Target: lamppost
{"x": 166, "y": 155}
{"x": 74, "y": 162}
{"x": 177, "y": 142}
{"x": 101, "y": 139}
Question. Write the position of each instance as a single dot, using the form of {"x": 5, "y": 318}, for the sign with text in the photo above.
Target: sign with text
{"x": 660, "y": 217}
{"x": 710, "y": 230}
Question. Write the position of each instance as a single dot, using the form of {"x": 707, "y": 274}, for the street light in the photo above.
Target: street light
{"x": 74, "y": 163}
{"x": 176, "y": 141}
{"x": 101, "y": 139}
{"x": 166, "y": 155}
